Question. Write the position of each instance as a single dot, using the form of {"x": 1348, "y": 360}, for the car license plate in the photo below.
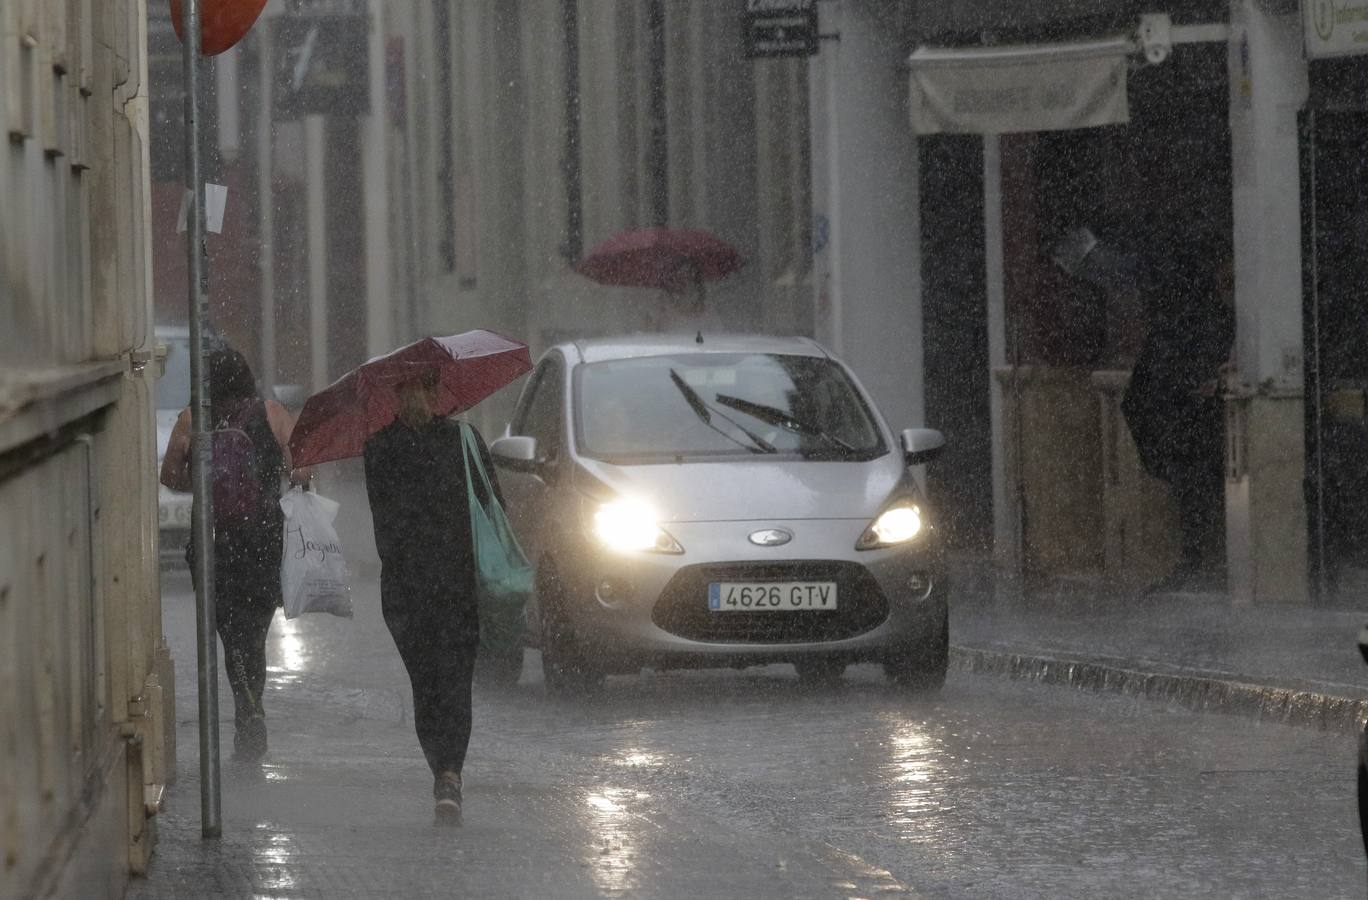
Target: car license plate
{"x": 771, "y": 596}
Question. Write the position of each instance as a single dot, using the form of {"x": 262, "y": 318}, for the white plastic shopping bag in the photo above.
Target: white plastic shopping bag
{"x": 313, "y": 571}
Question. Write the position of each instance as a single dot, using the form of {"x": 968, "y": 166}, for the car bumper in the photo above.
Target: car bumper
{"x": 649, "y": 609}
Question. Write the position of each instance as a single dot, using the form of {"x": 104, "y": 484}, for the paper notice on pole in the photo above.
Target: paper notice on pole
{"x": 215, "y": 204}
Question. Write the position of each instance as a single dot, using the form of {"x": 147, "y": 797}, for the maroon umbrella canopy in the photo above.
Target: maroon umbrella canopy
{"x": 336, "y": 421}
{"x": 646, "y": 257}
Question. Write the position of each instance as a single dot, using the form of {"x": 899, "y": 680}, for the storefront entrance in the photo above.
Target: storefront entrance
{"x": 1107, "y": 236}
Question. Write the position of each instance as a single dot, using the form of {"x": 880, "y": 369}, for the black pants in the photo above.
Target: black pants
{"x": 1199, "y": 490}
{"x": 243, "y": 624}
{"x": 440, "y": 658}
{"x": 246, "y": 595}
{"x": 1197, "y": 478}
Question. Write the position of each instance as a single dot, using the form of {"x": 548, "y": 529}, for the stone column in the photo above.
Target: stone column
{"x": 1265, "y": 504}
{"x": 380, "y": 299}
{"x": 865, "y": 199}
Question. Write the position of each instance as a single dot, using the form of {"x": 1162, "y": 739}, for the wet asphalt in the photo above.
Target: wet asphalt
{"x": 744, "y": 784}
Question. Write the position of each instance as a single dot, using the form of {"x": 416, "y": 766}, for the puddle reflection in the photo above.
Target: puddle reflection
{"x": 639, "y": 759}
{"x": 277, "y": 859}
{"x": 291, "y": 655}
{"x": 614, "y": 832}
{"x": 916, "y": 773}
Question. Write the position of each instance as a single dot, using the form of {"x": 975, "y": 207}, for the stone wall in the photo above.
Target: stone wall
{"x": 84, "y": 674}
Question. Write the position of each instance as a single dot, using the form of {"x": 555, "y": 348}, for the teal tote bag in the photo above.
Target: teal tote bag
{"x": 504, "y": 578}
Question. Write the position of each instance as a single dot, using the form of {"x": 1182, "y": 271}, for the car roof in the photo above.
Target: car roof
{"x": 646, "y": 345}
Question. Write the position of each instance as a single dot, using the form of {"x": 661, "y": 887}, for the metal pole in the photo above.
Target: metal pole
{"x": 316, "y": 215}
{"x": 1311, "y": 245}
{"x": 658, "y": 146}
{"x": 266, "y": 200}
{"x": 570, "y": 154}
{"x": 211, "y": 825}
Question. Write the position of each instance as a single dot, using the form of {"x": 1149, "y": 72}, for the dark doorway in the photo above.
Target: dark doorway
{"x": 1335, "y": 260}
{"x": 955, "y": 337}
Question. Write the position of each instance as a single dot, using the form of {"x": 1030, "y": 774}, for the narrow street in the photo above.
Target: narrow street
{"x": 742, "y": 784}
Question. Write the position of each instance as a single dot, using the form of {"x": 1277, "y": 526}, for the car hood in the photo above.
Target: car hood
{"x": 754, "y": 491}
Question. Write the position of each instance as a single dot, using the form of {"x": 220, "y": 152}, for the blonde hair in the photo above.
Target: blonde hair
{"x": 415, "y": 400}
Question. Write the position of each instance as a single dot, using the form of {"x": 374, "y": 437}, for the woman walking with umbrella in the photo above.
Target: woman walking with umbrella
{"x": 418, "y": 499}
{"x": 393, "y": 412}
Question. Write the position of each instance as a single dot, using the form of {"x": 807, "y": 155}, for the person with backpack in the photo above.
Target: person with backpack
{"x": 251, "y": 458}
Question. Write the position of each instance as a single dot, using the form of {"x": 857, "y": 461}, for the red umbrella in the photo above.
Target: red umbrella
{"x": 647, "y": 256}
{"x": 336, "y": 421}
{"x": 222, "y": 22}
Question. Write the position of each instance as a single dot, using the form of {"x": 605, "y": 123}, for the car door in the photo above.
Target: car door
{"x": 540, "y": 415}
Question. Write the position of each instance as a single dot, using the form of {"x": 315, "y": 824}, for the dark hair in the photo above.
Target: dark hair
{"x": 230, "y": 377}
{"x": 232, "y": 388}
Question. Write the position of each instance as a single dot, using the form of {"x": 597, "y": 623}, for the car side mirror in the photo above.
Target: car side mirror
{"x": 921, "y": 445}
{"x": 516, "y": 453}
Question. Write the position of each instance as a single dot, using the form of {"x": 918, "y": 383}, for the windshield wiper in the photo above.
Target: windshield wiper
{"x": 705, "y": 414}
{"x": 772, "y": 415}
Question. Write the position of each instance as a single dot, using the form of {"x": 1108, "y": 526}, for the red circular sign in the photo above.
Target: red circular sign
{"x": 222, "y": 22}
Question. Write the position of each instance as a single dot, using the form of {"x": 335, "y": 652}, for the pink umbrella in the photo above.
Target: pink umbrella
{"x": 647, "y": 257}
{"x": 336, "y": 421}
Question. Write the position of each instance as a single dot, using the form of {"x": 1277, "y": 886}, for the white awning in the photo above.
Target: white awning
{"x": 1040, "y": 87}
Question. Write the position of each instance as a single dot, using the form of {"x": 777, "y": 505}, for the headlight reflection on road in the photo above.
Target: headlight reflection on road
{"x": 916, "y": 772}
{"x": 639, "y": 759}
{"x": 613, "y": 847}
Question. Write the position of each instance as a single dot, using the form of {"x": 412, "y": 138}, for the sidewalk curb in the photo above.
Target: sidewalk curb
{"x": 1195, "y": 689}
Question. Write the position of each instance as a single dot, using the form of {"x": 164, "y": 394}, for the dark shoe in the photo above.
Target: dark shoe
{"x": 249, "y": 739}
{"x": 447, "y": 790}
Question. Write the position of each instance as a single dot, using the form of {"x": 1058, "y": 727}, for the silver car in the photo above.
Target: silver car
{"x": 727, "y": 501}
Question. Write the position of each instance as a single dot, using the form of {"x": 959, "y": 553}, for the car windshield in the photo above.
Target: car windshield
{"x": 713, "y": 405}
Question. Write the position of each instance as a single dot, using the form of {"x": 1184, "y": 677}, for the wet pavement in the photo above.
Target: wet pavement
{"x": 1296, "y": 664}
{"x": 1290, "y": 645}
{"x": 724, "y": 784}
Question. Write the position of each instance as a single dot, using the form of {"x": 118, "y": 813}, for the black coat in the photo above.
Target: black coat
{"x": 416, "y": 484}
{"x": 1173, "y": 424}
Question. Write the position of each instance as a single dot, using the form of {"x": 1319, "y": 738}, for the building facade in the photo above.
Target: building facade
{"x": 886, "y": 201}
{"x": 1183, "y": 141}
{"x": 85, "y": 679}
{"x": 531, "y": 132}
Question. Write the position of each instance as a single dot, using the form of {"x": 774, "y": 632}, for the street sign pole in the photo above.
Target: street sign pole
{"x": 202, "y": 461}
{"x": 266, "y": 199}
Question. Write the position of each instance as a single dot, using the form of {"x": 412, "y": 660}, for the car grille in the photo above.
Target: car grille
{"x": 682, "y": 609}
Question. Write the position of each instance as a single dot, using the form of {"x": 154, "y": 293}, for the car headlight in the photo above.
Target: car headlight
{"x": 895, "y": 525}
{"x": 632, "y": 526}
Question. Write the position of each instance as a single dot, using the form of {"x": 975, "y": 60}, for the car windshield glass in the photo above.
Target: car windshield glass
{"x": 173, "y": 388}
{"x": 634, "y": 409}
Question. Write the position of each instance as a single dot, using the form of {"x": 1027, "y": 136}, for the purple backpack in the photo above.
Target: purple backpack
{"x": 237, "y": 485}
